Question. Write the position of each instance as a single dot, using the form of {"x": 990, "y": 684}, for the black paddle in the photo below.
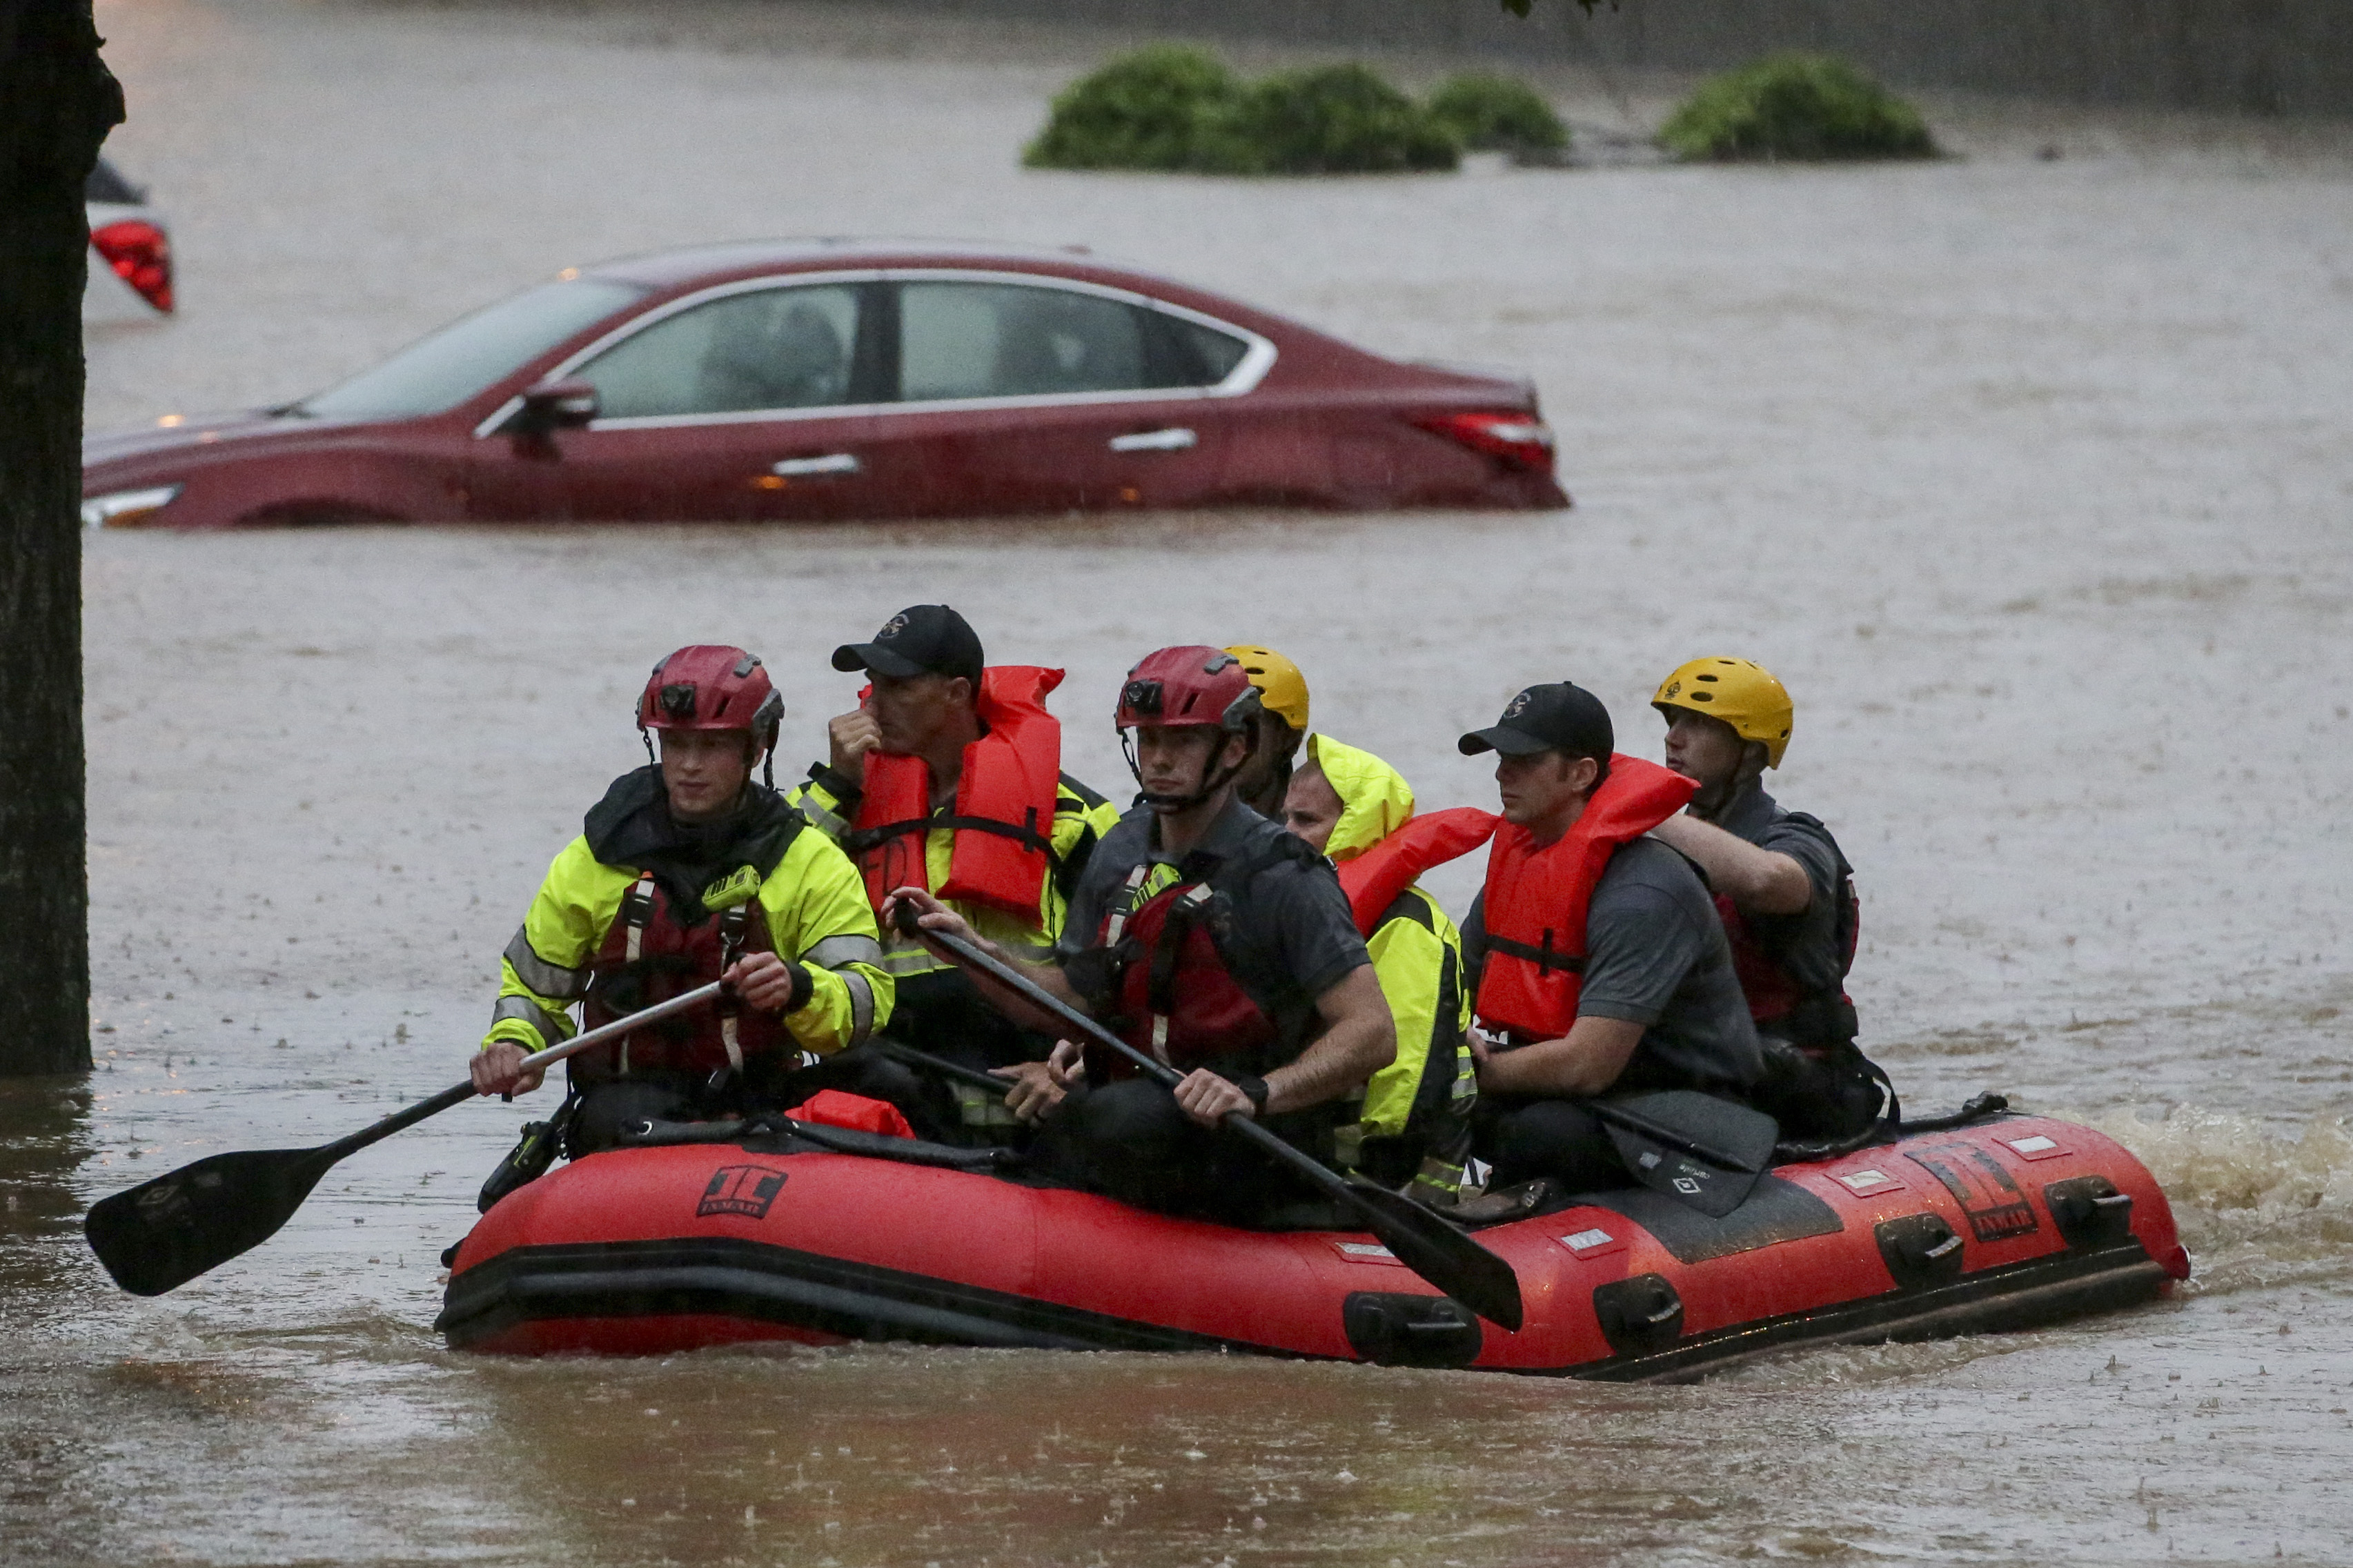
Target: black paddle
{"x": 1420, "y": 1239}
{"x": 162, "y": 1234}
{"x": 1693, "y": 1147}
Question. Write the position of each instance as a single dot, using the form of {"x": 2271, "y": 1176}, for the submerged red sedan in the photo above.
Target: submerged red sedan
{"x": 830, "y": 379}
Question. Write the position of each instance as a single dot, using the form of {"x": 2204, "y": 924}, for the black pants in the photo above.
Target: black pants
{"x": 1525, "y": 1139}
{"x": 941, "y": 1013}
{"x": 1129, "y": 1141}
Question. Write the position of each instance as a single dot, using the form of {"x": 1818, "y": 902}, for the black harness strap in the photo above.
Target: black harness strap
{"x": 1546, "y": 956}
{"x": 858, "y": 841}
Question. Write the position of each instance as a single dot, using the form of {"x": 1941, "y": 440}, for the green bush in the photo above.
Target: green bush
{"x": 1331, "y": 119}
{"x": 1497, "y": 114}
{"x": 1169, "y": 107}
{"x": 1797, "y": 107}
{"x": 1148, "y": 109}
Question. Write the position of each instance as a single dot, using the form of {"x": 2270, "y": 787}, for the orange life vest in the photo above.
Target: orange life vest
{"x": 1534, "y": 905}
{"x": 1004, "y": 812}
{"x": 1374, "y": 879}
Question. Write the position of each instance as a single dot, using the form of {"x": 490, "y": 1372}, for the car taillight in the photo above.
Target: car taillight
{"x": 141, "y": 256}
{"x": 1521, "y": 439}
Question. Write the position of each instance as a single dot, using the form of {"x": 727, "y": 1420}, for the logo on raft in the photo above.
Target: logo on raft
{"x": 745, "y": 1190}
{"x": 1997, "y": 1208}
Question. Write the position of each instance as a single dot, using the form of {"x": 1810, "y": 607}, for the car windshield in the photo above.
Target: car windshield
{"x": 439, "y": 373}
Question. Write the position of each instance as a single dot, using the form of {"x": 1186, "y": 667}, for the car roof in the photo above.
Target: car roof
{"x": 704, "y": 263}
{"x": 672, "y": 271}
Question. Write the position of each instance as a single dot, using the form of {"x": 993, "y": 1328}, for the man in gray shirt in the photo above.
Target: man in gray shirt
{"x": 1784, "y": 892}
{"x": 1654, "y": 1004}
{"x": 1215, "y": 940}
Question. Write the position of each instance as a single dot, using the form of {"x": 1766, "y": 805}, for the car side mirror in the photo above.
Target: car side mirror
{"x": 565, "y": 404}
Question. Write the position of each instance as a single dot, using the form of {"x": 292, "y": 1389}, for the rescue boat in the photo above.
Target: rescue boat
{"x": 823, "y": 1236}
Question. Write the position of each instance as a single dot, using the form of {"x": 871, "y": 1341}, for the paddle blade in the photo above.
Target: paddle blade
{"x": 160, "y": 1235}
{"x": 1649, "y": 1130}
{"x": 1441, "y": 1254}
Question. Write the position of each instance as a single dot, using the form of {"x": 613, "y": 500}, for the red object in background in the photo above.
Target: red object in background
{"x": 1519, "y": 439}
{"x": 141, "y": 256}
{"x": 833, "y": 1107}
{"x": 810, "y": 381}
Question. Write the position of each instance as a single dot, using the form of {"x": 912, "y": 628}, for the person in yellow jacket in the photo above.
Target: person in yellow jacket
{"x": 688, "y": 872}
{"x": 964, "y": 751}
{"x": 1415, "y": 1124}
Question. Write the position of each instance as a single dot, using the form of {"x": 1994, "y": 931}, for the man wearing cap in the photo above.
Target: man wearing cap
{"x": 1784, "y": 890}
{"x": 948, "y": 776}
{"x": 1602, "y": 964}
{"x": 1212, "y": 939}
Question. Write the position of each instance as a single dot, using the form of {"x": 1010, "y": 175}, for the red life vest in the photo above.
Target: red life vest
{"x": 649, "y": 956}
{"x": 1535, "y": 899}
{"x": 1811, "y": 1020}
{"x": 1374, "y": 879}
{"x": 1168, "y": 978}
{"x": 1004, "y": 812}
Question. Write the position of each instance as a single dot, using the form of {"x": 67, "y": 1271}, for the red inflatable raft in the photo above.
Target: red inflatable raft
{"x": 2007, "y": 1223}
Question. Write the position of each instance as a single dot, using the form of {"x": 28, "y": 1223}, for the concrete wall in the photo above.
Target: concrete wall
{"x": 2262, "y": 56}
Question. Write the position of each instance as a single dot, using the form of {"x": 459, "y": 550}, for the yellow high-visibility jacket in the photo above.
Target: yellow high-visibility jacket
{"x": 1427, "y": 1092}
{"x": 830, "y": 801}
{"x": 815, "y": 906}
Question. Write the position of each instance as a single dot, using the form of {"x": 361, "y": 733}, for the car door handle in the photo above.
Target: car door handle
{"x": 1175, "y": 439}
{"x": 807, "y": 467}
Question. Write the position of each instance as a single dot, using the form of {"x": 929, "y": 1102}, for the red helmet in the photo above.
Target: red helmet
{"x": 1189, "y": 686}
{"x": 710, "y": 686}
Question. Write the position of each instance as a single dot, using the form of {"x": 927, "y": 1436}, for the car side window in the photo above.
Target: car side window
{"x": 1009, "y": 340}
{"x": 771, "y": 348}
{"x": 1186, "y": 353}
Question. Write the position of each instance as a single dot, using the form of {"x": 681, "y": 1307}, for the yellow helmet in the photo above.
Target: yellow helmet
{"x": 1741, "y": 692}
{"x": 1280, "y": 688}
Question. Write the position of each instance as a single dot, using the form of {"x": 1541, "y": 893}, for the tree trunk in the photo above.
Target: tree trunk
{"x": 56, "y": 103}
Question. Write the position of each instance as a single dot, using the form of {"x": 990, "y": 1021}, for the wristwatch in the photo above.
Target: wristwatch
{"x": 1254, "y": 1089}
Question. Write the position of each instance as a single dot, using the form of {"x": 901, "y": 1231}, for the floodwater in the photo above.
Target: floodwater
{"x": 2029, "y": 476}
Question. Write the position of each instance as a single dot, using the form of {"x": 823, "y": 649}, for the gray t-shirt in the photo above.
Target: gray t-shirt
{"x": 1807, "y": 945}
{"x": 1655, "y": 954}
{"x": 1293, "y": 909}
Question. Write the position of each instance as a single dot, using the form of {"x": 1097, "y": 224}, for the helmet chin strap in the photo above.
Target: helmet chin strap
{"x": 1175, "y": 802}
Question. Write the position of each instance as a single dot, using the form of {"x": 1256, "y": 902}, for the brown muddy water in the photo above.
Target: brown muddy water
{"x": 2031, "y": 478}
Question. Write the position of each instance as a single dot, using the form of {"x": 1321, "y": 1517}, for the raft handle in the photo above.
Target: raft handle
{"x": 1639, "y": 1315}
{"x": 1922, "y": 1251}
{"x": 2090, "y": 1211}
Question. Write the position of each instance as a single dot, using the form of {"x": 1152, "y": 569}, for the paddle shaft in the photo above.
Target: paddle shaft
{"x": 945, "y": 1068}
{"x": 538, "y": 1062}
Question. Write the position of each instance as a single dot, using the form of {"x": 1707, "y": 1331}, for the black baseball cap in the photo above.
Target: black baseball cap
{"x": 1559, "y": 716}
{"x": 922, "y": 639}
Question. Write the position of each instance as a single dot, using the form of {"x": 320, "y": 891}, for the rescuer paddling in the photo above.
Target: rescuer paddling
{"x": 686, "y": 872}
